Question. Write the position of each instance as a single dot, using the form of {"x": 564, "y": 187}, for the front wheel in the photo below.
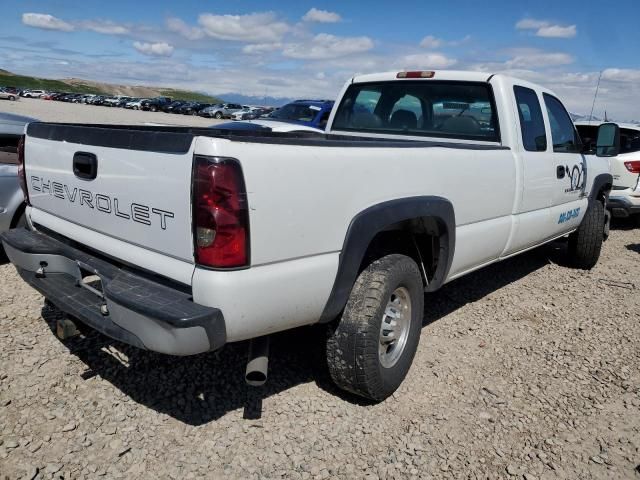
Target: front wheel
{"x": 12, "y": 98}
{"x": 218, "y": 115}
{"x": 586, "y": 242}
{"x": 370, "y": 349}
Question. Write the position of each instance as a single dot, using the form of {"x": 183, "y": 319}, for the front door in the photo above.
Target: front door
{"x": 569, "y": 202}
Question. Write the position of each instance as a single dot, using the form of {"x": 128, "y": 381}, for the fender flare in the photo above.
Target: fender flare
{"x": 598, "y": 184}
{"x": 364, "y": 227}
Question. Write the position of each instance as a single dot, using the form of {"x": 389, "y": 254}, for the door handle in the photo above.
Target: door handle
{"x": 560, "y": 171}
{"x": 85, "y": 165}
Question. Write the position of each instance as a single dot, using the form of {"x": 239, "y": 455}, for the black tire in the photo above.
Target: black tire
{"x": 12, "y": 98}
{"x": 586, "y": 242}
{"x": 353, "y": 343}
{"x": 154, "y": 108}
{"x": 218, "y": 115}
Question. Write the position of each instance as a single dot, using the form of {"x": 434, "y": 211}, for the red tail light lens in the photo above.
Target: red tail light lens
{"x": 22, "y": 176}
{"x": 220, "y": 213}
{"x": 633, "y": 166}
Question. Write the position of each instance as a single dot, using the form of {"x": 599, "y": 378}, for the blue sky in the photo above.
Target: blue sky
{"x": 309, "y": 48}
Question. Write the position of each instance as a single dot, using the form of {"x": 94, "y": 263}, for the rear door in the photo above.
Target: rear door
{"x": 133, "y": 186}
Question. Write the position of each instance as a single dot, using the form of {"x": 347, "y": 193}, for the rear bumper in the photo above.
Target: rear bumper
{"x": 139, "y": 311}
{"x": 623, "y": 206}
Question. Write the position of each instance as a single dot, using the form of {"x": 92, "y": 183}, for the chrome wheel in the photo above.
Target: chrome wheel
{"x": 395, "y": 326}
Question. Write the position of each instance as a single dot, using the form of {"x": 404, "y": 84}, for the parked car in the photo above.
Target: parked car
{"x": 12, "y": 204}
{"x": 135, "y": 103}
{"x": 111, "y": 101}
{"x": 33, "y": 93}
{"x": 624, "y": 200}
{"x": 220, "y": 110}
{"x": 122, "y": 101}
{"x": 155, "y": 104}
{"x": 249, "y": 113}
{"x": 192, "y": 108}
{"x": 8, "y": 95}
{"x": 173, "y": 107}
{"x": 421, "y": 178}
{"x": 97, "y": 100}
{"x": 312, "y": 113}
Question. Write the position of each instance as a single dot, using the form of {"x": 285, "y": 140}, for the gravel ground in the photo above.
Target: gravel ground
{"x": 526, "y": 369}
{"x": 50, "y": 111}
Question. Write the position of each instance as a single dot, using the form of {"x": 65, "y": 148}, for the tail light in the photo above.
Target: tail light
{"x": 633, "y": 166}
{"x": 220, "y": 213}
{"x": 22, "y": 176}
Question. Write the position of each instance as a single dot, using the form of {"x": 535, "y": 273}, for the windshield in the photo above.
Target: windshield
{"x": 461, "y": 110}
{"x": 296, "y": 112}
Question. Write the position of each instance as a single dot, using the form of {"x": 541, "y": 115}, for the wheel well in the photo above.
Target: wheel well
{"x": 603, "y": 193}
{"x": 419, "y": 238}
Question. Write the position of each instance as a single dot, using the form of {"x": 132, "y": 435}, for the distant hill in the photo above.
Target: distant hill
{"x": 77, "y": 85}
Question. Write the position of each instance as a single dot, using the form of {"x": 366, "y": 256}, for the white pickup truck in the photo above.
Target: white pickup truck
{"x": 180, "y": 240}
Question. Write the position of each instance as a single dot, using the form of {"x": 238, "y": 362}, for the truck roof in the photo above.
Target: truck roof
{"x": 438, "y": 75}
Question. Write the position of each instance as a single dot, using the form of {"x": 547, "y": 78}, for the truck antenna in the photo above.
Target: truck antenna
{"x": 594, "y": 97}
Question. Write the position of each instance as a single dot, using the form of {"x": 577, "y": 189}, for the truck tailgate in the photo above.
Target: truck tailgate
{"x": 140, "y": 194}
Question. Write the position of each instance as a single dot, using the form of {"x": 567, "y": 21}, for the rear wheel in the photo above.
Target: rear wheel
{"x": 586, "y": 242}
{"x": 218, "y": 115}
{"x": 12, "y": 98}
{"x": 154, "y": 108}
{"x": 370, "y": 349}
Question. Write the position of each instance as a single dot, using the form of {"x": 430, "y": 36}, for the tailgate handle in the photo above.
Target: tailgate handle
{"x": 85, "y": 165}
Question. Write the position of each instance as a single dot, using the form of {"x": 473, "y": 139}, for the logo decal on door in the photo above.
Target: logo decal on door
{"x": 576, "y": 178}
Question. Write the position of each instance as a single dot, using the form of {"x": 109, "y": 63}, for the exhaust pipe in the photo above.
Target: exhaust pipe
{"x": 258, "y": 363}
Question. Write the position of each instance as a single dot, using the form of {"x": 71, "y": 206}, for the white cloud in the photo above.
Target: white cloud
{"x": 426, "y": 61}
{"x": 544, "y": 28}
{"x": 324, "y": 46}
{"x": 259, "y": 48}
{"x": 49, "y": 22}
{"x": 321, "y": 16}
{"x": 46, "y": 21}
{"x": 159, "y": 49}
{"x": 530, "y": 24}
{"x": 253, "y": 27}
{"x": 106, "y": 27}
{"x": 536, "y": 59}
{"x": 557, "y": 31}
{"x": 179, "y": 26}
{"x": 622, "y": 75}
{"x": 431, "y": 42}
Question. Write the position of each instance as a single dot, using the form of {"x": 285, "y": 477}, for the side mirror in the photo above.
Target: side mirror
{"x": 608, "y": 144}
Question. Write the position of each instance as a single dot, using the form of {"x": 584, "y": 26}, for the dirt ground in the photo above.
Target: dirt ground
{"x": 526, "y": 369}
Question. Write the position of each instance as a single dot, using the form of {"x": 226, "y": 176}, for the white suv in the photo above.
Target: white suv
{"x": 624, "y": 200}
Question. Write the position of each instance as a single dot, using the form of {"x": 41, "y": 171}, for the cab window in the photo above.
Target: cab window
{"x": 447, "y": 109}
{"x": 563, "y": 133}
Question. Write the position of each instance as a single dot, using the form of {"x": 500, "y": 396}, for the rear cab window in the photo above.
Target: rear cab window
{"x": 534, "y": 135}
{"x": 446, "y": 109}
